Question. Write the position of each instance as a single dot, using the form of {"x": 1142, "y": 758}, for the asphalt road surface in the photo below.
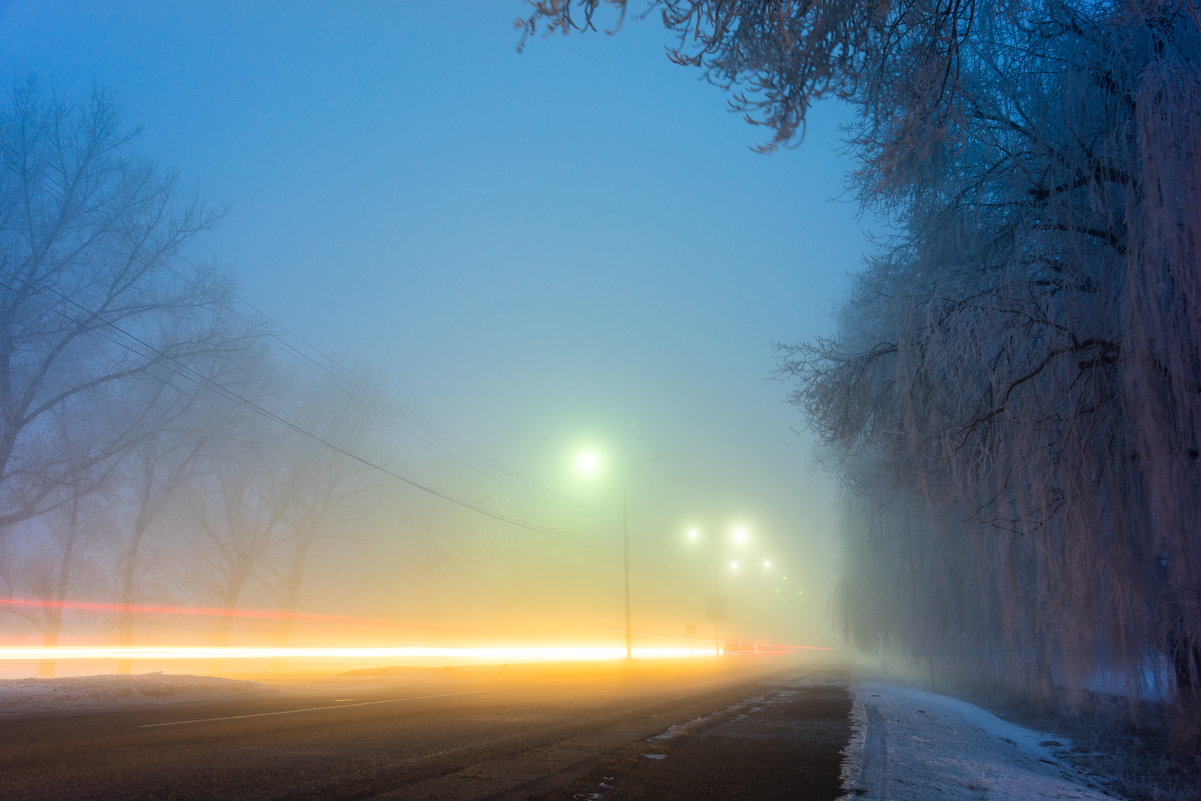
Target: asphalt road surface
{"x": 736, "y": 728}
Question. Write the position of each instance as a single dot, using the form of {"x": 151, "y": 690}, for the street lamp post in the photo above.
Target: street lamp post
{"x": 717, "y": 608}
{"x": 625, "y": 532}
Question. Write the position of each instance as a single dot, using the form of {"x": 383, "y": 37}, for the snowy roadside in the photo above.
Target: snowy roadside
{"x": 910, "y": 745}
{"x": 906, "y": 744}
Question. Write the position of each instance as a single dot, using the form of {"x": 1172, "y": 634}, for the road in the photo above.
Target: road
{"x": 618, "y": 730}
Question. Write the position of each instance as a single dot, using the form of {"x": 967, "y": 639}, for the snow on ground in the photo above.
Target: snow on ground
{"x": 909, "y": 745}
{"x": 40, "y": 696}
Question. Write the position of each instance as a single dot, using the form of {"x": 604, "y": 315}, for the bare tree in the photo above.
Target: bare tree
{"x": 49, "y": 566}
{"x": 239, "y": 495}
{"x": 94, "y": 295}
{"x": 153, "y": 476}
{"x": 322, "y": 480}
{"x": 155, "y": 471}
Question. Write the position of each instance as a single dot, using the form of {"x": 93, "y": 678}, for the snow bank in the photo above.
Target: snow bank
{"x": 39, "y": 696}
{"x": 909, "y": 745}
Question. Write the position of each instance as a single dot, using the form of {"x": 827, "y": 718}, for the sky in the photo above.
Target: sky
{"x": 570, "y": 247}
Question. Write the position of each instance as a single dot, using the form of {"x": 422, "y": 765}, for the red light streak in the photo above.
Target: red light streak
{"x": 494, "y": 654}
{"x": 744, "y": 646}
{"x": 200, "y": 611}
{"x": 776, "y": 647}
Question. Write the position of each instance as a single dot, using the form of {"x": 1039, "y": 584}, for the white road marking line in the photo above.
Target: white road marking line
{"x": 322, "y": 708}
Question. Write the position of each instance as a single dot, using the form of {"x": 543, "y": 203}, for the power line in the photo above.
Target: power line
{"x": 179, "y": 368}
{"x": 407, "y": 418}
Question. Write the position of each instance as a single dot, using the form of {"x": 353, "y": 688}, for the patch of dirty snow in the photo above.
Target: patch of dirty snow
{"x": 910, "y": 745}
{"x": 41, "y": 696}
{"x": 688, "y": 725}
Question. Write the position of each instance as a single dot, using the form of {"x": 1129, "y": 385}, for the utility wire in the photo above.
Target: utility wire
{"x": 179, "y": 368}
{"x": 408, "y": 419}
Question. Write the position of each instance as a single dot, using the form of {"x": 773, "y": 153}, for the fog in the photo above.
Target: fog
{"x": 402, "y": 277}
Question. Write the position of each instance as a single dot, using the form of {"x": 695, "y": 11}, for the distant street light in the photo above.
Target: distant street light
{"x": 754, "y": 605}
{"x": 756, "y": 568}
{"x": 716, "y": 611}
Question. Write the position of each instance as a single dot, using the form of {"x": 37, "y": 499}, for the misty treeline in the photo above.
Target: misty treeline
{"x": 1013, "y": 395}
{"x": 153, "y": 445}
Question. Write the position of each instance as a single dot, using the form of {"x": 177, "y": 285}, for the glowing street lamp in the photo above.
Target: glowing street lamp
{"x": 588, "y": 462}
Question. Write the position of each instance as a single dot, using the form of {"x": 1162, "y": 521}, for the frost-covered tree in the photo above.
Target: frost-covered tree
{"x": 1014, "y": 395}
{"x": 995, "y": 361}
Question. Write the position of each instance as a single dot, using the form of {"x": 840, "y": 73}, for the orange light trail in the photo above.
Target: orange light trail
{"x": 672, "y": 648}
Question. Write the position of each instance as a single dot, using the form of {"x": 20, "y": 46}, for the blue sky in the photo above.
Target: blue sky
{"x": 573, "y": 244}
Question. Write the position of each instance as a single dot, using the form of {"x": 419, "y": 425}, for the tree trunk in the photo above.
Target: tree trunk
{"x": 125, "y": 640}
{"x": 1184, "y": 736}
{"x": 50, "y": 630}
{"x": 125, "y": 621}
{"x": 54, "y": 614}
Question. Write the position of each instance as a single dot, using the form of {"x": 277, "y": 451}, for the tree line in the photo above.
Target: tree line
{"x": 1013, "y": 394}
{"x": 153, "y": 447}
